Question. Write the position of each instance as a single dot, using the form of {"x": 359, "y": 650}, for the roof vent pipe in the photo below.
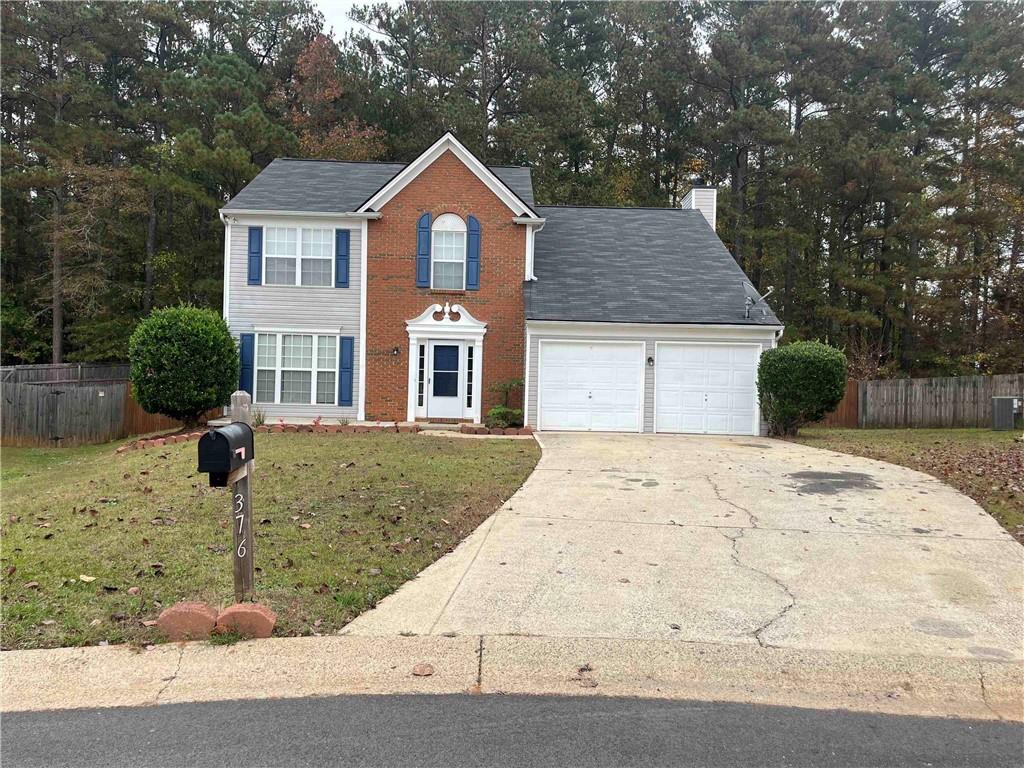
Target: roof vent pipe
{"x": 704, "y": 198}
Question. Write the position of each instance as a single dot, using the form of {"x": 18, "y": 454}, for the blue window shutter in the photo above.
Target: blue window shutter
{"x": 255, "y": 255}
{"x": 345, "y": 364}
{"x": 473, "y": 255}
{"x": 423, "y": 251}
{"x": 341, "y": 240}
{"x": 247, "y": 346}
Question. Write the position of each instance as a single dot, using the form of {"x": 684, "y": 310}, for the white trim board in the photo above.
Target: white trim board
{"x": 448, "y": 143}
{"x": 230, "y": 213}
{"x": 666, "y": 330}
{"x": 364, "y": 230}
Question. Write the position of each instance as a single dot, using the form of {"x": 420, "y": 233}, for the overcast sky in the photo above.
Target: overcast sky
{"x": 336, "y": 15}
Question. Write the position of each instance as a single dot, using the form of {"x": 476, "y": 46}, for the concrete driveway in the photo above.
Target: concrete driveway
{"x": 727, "y": 540}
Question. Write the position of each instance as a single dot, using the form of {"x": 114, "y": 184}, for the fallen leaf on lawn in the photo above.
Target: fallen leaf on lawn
{"x": 32, "y": 585}
{"x": 445, "y": 521}
{"x": 305, "y": 525}
{"x": 423, "y": 670}
{"x": 95, "y": 623}
{"x": 86, "y": 579}
{"x": 133, "y": 590}
{"x": 149, "y": 623}
{"x": 48, "y": 622}
{"x": 318, "y": 622}
{"x": 10, "y": 570}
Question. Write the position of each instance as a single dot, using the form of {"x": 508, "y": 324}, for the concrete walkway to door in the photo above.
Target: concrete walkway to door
{"x": 736, "y": 543}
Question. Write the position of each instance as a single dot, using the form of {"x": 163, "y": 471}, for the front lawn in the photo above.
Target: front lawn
{"x": 987, "y": 466}
{"x": 96, "y": 544}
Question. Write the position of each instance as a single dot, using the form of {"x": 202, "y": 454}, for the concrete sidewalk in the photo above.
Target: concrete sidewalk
{"x": 70, "y": 678}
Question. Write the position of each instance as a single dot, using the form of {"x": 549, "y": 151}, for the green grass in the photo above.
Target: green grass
{"x": 379, "y": 508}
{"x": 987, "y": 466}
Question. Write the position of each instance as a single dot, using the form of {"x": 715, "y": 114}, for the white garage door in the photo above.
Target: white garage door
{"x": 706, "y": 388}
{"x": 590, "y": 385}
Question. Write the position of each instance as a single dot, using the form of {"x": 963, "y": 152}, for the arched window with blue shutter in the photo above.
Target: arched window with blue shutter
{"x": 473, "y": 254}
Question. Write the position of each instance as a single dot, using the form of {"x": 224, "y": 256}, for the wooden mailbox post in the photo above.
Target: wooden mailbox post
{"x": 226, "y": 453}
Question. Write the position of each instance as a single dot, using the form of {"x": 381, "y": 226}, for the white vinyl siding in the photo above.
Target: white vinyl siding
{"x": 326, "y": 311}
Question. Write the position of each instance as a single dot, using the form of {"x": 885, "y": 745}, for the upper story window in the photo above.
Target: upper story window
{"x": 448, "y": 253}
{"x": 298, "y": 256}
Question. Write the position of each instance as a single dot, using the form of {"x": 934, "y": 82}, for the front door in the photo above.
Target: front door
{"x": 444, "y": 384}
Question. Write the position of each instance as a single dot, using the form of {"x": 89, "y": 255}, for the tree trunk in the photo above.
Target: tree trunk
{"x": 57, "y": 296}
{"x": 147, "y": 289}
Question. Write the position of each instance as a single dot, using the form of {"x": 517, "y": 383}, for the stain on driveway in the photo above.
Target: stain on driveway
{"x": 831, "y": 483}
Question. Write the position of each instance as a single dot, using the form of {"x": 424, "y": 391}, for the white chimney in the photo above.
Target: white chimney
{"x": 704, "y": 199}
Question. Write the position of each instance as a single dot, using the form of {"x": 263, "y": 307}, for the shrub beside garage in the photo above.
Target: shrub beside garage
{"x": 799, "y": 384}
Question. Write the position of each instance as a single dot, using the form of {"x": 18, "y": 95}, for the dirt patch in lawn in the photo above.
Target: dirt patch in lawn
{"x": 987, "y": 466}
{"x": 95, "y": 544}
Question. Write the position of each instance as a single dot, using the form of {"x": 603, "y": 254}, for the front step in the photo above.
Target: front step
{"x": 432, "y": 425}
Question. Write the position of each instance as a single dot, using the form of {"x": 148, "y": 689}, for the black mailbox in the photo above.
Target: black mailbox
{"x": 223, "y": 450}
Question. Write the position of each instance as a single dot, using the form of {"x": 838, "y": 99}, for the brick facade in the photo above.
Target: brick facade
{"x": 446, "y": 186}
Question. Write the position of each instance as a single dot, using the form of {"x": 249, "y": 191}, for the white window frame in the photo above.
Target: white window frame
{"x": 446, "y": 222}
{"x": 279, "y": 368}
{"x": 297, "y": 258}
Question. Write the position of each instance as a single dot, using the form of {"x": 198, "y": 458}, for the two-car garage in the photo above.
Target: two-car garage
{"x": 667, "y": 385}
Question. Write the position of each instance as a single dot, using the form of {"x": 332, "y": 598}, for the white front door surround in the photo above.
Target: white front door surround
{"x": 446, "y": 354}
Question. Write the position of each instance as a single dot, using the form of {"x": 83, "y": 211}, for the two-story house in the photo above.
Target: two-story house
{"x": 404, "y": 292}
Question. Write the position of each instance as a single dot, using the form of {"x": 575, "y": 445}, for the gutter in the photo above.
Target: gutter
{"x": 227, "y": 213}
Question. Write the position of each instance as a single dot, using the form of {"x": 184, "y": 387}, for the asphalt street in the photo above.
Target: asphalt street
{"x": 495, "y": 730}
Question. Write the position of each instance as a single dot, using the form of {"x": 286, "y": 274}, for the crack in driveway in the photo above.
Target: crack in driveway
{"x": 760, "y": 630}
{"x": 718, "y": 495}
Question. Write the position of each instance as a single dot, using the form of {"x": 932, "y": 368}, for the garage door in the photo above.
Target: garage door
{"x": 706, "y": 388}
{"x": 590, "y": 385}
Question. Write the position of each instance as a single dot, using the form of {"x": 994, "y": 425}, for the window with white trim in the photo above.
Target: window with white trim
{"x": 448, "y": 253}
{"x": 298, "y": 256}
{"x": 297, "y": 368}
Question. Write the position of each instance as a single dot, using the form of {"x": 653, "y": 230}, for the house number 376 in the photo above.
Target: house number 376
{"x": 240, "y": 517}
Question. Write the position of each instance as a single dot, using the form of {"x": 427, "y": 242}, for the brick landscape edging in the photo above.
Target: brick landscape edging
{"x": 328, "y": 429}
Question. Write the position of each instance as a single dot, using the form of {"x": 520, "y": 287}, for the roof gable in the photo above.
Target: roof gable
{"x": 448, "y": 143}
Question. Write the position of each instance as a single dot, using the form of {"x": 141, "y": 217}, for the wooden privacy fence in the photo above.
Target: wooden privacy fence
{"x": 845, "y": 414}
{"x": 955, "y": 401}
{"x": 71, "y": 404}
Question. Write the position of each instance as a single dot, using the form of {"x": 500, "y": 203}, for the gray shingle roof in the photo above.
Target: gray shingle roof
{"x": 328, "y": 186}
{"x": 635, "y": 265}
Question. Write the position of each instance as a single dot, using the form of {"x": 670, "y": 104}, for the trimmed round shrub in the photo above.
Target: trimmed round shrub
{"x": 183, "y": 362}
{"x": 799, "y": 383}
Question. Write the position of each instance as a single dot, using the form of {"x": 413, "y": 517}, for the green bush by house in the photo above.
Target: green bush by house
{"x": 183, "y": 362}
{"x": 799, "y": 383}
